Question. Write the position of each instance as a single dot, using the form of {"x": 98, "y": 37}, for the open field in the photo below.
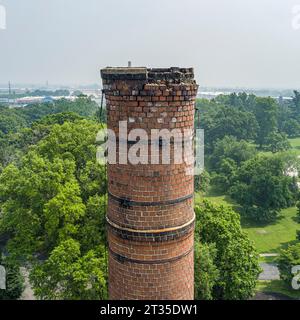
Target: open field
{"x": 295, "y": 143}
{"x": 268, "y": 238}
{"x": 273, "y": 237}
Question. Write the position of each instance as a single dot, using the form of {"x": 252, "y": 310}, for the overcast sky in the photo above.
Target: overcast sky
{"x": 233, "y": 43}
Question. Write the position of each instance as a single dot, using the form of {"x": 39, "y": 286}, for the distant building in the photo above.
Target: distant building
{"x": 47, "y": 100}
{"x": 4, "y": 100}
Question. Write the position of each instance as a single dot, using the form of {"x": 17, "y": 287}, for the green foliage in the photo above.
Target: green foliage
{"x": 82, "y": 106}
{"x": 74, "y": 141}
{"x": 277, "y": 142}
{"x": 206, "y": 272}
{"x": 228, "y": 121}
{"x": 230, "y": 148}
{"x": 298, "y": 210}
{"x": 298, "y": 218}
{"x": 235, "y": 258}
{"x": 62, "y": 213}
{"x": 296, "y": 102}
{"x": 15, "y": 135}
{"x": 92, "y": 231}
{"x": 262, "y": 187}
{"x": 69, "y": 275}
{"x": 226, "y": 173}
{"x": 292, "y": 128}
{"x": 288, "y": 259}
{"x": 59, "y": 118}
{"x": 248, "y": 117}
{"x": 10, "y": 120}
{"x": 202, "y": 181}
{"x": 53, "y": 203}
{"x": 14, "y": 280}
{"x": 227, "y": 155}
{"x": 266, "y": 111}
{"x": 241, "y": 101}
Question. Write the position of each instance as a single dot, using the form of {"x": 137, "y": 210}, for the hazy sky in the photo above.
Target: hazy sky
{"x": 240, "y": 43}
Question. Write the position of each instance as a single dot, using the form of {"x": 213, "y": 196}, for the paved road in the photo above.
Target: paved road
{"x": 270, "y": 272}
{"x": 269, "y": 255}
{"x": 28, "y": 292}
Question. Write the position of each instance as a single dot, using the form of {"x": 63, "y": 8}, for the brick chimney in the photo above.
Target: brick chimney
{"x": 150, "y": 214}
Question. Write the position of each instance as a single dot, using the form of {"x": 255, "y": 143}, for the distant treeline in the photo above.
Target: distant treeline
{"x": 247, "y": 154}
{"x": 37, "y": 93}
{"x": 264, "y": 121}
{"x": 13, "y": 121}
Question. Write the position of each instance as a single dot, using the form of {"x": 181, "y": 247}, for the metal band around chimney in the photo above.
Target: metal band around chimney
{"x": 123, "y": 259}
{"x": 152, "y": 235}
{"x": 130, "y": 203}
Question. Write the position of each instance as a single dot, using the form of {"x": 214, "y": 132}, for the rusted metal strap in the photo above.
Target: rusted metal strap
{"x": 153, "y": 235}
{"x": 123, "y": 259}
{"x": 126, "y": 202}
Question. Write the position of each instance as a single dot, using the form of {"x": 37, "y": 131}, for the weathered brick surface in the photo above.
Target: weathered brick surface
{"x": 150, "y": 209}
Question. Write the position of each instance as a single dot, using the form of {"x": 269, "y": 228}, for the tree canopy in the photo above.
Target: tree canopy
{"x": 231, "y": 256}
{"x": 53, "y": 205}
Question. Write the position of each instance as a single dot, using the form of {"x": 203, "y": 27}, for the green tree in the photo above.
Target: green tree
{"x": 288, "y": 259}
{"x": 53, "y": 194}
{"x": 224, "y": 178}
{"x": 10, "y": 120}
{"x": 202, "y": 181}
{"x": 14, "y": 280}
{"x": 206, "y": 272}
{"x": 236, "y": 258}
{"x": 230, "y": 148}
{"x": 262, "y": 187}
{"x": 292, "y": 128}
{"x": 69, "y": 275}
{"x": 228, "y": 121}
{"x": 266, "y": 110}
{"x": 277, "y": 142}
{"x": 296, "y": 101}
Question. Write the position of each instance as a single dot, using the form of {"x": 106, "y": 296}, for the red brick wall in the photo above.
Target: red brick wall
{"x": 150, "y": 210}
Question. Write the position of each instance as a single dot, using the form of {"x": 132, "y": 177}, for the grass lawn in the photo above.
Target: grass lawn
{"x": 273, "y": 237}
{"x": 277, "y": 286}
{"x": 268, "y": 238}
{"x": 295, "y": 143}
{"x": 217, "y": 199}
